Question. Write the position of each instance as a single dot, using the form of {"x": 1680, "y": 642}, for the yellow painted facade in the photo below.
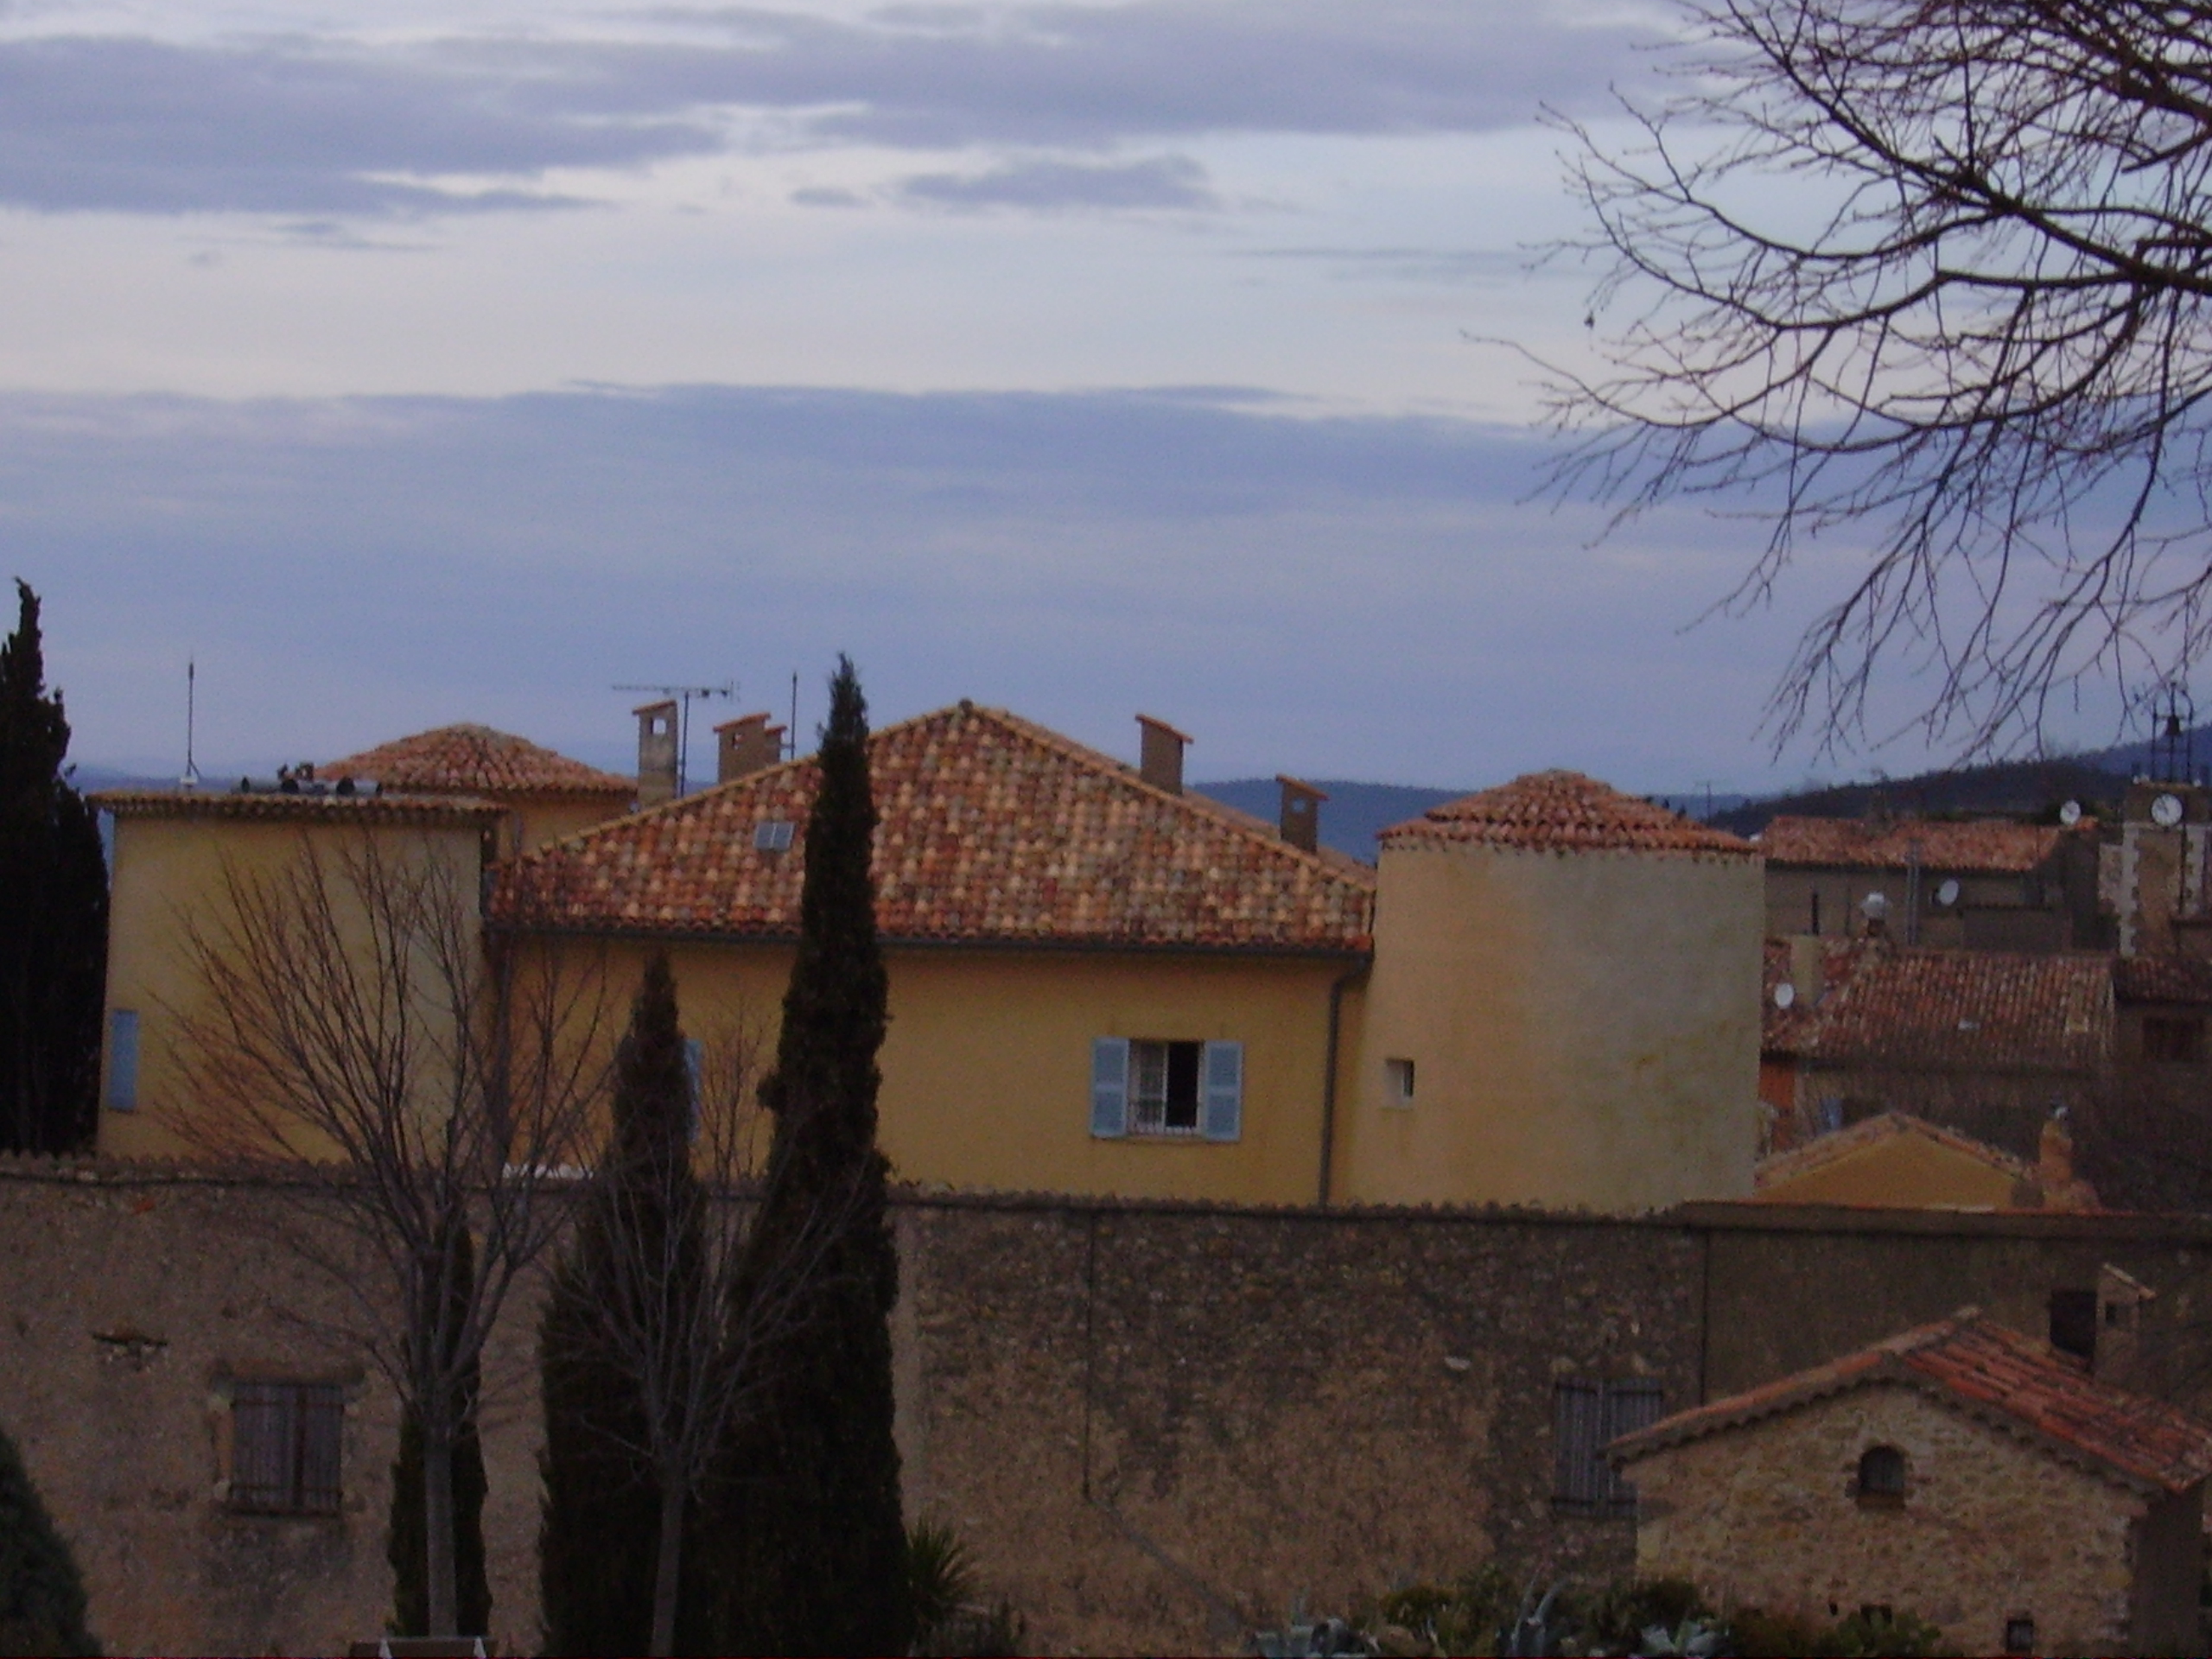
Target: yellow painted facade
{"x": 1583, "y": 1029}
{"x": 1902, "y": 1171}
{"x": 987, "y": 1064}
{"x": 169, "y": 875}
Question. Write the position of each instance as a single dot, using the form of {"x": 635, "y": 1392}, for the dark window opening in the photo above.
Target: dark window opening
{"x": 1881, "y": 1474}
{"x": 285, "y": 1441}
{"x": 1164, "y": 1087}
{"x": 1816, "y": 913}
{"x": 2020, "y": 1634}
{"x": 1586, "y": 1418}
{"x": 2173, "y": 1039}
{"x": 2074, "y": 1323}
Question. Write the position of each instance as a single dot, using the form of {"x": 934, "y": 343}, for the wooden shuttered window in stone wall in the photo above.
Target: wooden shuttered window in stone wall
{"x": 1587, "y": 1417}
{"x": 285, "y": 1446}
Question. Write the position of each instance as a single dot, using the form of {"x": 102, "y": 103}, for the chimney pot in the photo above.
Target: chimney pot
{"x": 655, "y": 752}
{"x": 745, "y": 746}
{"x": 1160, "y": 764}
{"x": 1300, "y": 817}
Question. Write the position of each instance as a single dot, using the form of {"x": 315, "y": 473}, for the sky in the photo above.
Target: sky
{"x": 408, "y": 364}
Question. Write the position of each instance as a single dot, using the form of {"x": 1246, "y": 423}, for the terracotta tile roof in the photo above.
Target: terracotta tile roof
{"x": 1825, "y": 1149}
{"x": 476, "y": 760}
{"x": 2162, "y": 979}
{"x": 233, "y": 804}
{"x": 992, "y": 830}
{"x": 1985, "y": 846}
{"x": 1882, "y": 1002}
{"x": 1564, "y": 811}
{"x": 1995, "y": 1374}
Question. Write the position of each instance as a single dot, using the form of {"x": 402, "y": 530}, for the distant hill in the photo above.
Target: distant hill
{"x": 2028, "y": 788}
{"x": 1350, "y": 818}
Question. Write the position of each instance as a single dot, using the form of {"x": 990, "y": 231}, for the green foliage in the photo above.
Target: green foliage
{"x": 940, "y": 1575}
{"x": 1615, "y": 1617}
{"x": 1468, "y": 1616}
{"x": 406, "y": 1538}
{"x": 1858, "y": 1635}
{"x": 41, "y": 1596}
{"x": 600, "y": 1524}
{"x": 810, "y": 1549}
{"x": 53, "y": 913}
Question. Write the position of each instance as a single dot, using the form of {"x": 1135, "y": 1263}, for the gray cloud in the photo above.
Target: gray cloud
{"x": 1160, "y": 181}
{"x": 313, "y": 127}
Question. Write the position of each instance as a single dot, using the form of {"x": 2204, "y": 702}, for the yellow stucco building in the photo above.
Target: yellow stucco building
{"x": 1102, "y": 983}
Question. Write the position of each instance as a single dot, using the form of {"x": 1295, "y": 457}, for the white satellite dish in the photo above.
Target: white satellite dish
{"x": 1784, "y": 994}
{"x": 1876, "y": 906}
{"x": 2070, "y": 814}
{"x": 1948, "y": 894}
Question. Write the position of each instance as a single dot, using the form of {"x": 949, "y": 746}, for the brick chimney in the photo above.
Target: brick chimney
{"x": 655, "y": 752}
{"x": 745, "y": 746}
{"x": 1300, "y": 817}
{"x": 1160, "y": 763}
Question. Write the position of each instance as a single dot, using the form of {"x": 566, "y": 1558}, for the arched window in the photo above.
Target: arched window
{"x": 1881, "y": 1473}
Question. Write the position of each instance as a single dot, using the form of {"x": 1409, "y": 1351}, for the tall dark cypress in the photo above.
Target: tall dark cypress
{"x": 406, "y": 1537}
{"x": 810, "y": 1554}
{"x": 42, "y": 1596}
{"x": 599, "y": 1530}
{"x": 52, "y": 912}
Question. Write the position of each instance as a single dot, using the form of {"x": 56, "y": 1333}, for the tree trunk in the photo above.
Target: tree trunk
{"x": 668, "y": 1564}
{"x": 440, "y": 1583}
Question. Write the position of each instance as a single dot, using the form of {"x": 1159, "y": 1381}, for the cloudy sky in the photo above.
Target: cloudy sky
{"x": 406, "y": 364}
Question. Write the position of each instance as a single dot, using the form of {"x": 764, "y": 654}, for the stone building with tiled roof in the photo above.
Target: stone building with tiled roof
{"x": 1961, "y": 1472}
{"x": 547, "y": 795}
{"x": 1977, "y": 883}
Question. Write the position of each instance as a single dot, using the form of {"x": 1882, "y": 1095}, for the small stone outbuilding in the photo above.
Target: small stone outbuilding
{"x": 1961, "y": 1471}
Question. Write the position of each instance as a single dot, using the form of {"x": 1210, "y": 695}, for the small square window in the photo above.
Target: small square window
{"x": 2020, "y": 1634}
{"x": 1397, "y": 1082}
{"x": 772, "y": 835}
{"x": 285, "y": 1441}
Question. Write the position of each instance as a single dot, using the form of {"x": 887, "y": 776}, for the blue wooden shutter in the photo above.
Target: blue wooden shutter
{"x": 1224, "y": 1116}
{"x": 1109, "y": 1087}
{"x": 695, "y": 1064}
{"x": 123, "y": 1059}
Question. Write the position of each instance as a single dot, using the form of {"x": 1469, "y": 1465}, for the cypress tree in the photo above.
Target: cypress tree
{"x": 406, "y": 1540}
{"x": 52, "y": 912}
{"x": 42, "y": 1597}
{"x": 810, "y": 1553}
{"x": 599, "y": 1539}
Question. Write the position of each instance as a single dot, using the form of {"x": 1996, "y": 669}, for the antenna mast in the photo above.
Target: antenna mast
{"x": 683, "y": 695}
{"x": 191, "y": 778}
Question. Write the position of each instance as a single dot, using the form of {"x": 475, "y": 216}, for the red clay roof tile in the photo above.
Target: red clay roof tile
{"x": 1564, "y": 811}
{"x": 991, "y": 830}
{"x": 1985, "y": 846}
{"x": 477, "y": 760}
{"x": 1998, "y": 1376}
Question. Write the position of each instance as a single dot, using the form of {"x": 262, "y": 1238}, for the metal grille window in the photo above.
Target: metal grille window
{"x": 1164, "y": 1088}
{"x": 284, "y": 1447}
{"x": 1586, "y": 1418}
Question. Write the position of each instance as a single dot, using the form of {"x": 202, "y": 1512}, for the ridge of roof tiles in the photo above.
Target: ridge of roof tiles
{"x": 2009, "y": 1381}
{"x": 1564, "y": 812}
{"x": 476, "y": 759}
{"x": 991, "y": 830}
{"x": 274, "y": 805}
{"x": 1885, "y": 1001}
{"x": 1986, "y": 846}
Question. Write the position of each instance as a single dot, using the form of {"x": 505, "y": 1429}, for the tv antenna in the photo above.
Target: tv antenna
{"x": 683, "y": 695}
{"x": 191, "y": 778}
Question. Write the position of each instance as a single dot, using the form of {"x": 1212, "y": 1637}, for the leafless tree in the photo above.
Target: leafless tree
{"x": 352, "y": 1025}
{"x": 670, "y": 1233}
{"x": 1930, "y": 278}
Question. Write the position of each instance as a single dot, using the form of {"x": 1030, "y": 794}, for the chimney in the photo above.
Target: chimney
{"x": 1808, "y": 968}
{"x": 655, "y": 752}
{"x": 745, "y": 746}
{"x": 2122, "y": 1307}
{"x": 1161, "y": 764}
{"x": 1301, "y": 812}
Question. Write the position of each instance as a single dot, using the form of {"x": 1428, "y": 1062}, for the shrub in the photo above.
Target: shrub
{"x": 41, "y": 1596}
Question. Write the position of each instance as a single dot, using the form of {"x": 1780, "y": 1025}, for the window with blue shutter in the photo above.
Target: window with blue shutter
{"x": 123, "y": 1059}
{"x": 694, "y": 1064}
{"x": 1224, "y": 1086}
{"x": 1109, "y": 1087}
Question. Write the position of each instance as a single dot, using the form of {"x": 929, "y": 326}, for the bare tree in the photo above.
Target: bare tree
{"x": 354, "y": 1024}
{"x": 1932, "y": 274}
{"x": 648, "y": 1290}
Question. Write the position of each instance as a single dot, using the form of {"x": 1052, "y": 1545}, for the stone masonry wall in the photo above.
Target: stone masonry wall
{"x": 1990, "y": 1528}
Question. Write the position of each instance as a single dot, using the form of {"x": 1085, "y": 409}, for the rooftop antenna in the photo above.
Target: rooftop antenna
{"x": 685, "y": 695}
{"x": 191, "y": 778}
{"x": 2173, "y": 742}
{"x": 792, "y": 739}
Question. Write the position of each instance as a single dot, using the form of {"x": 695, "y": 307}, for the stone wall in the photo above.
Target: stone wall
{"x": 1155, "y": 1425}
{"x": 1990, "y": 1528}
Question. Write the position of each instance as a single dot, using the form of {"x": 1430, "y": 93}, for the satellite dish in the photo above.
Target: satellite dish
{"x": 1784, "y": 994}
{"x": 2165, "y": 811}
{"x": 2070, "y": 814}
{"x": 1876, "y": 906}
{"x": 1948, "y": 894}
